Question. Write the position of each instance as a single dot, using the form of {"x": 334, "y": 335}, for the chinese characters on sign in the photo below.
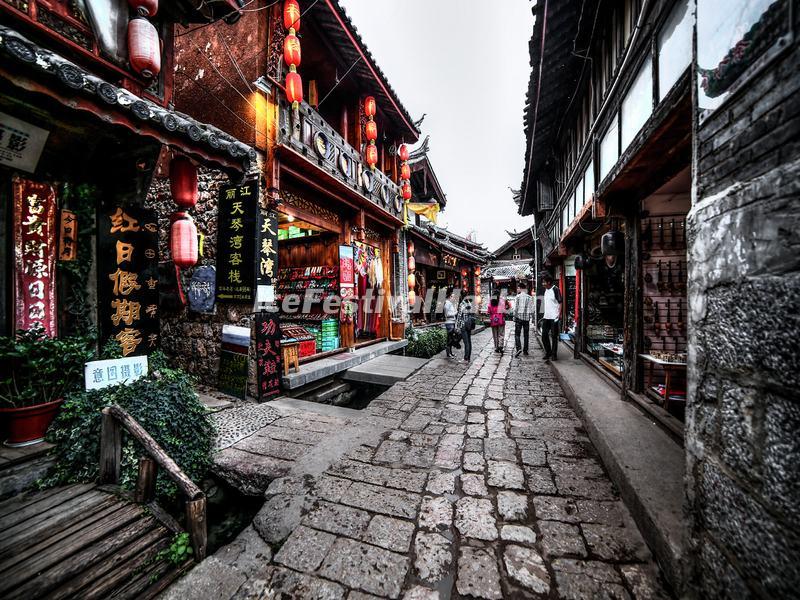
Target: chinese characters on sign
{"x": 68, "y": 236}
{"x": 21, "y": 143}
{"x": 268, "y": 357}
{"x": 34, "y": 255}
{"x": 236, "y": 245}
{"x": 103, "y": 373}
{"x": 267, "y": 256}
{"x": 128, "y": 278}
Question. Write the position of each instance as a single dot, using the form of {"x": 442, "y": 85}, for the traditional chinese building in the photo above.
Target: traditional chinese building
{"x": 662, "y": 147}
{"x": 337, "y": 219}
{"x": 85, "y": 112}
{"x": 510, "y": 264}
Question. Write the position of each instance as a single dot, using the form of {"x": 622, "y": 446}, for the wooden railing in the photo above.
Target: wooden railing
{"x": 114, "y": 420}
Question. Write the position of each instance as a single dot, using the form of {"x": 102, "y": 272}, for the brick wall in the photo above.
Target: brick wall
{"x": 743, "y": 414}
{"x": 192, "y": 340}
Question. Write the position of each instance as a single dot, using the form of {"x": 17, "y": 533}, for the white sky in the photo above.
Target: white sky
{"x": 465, "y": 64}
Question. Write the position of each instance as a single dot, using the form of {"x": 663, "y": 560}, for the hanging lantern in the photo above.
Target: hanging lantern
{"x": 144, "y": 47}
{"x": 403, "y": 152}
{"x": 412, "y": 297}
{"x": 183, "y": 182}
{"x": 294, "y": 88}
{"x": 183, "y": 240}
{"x": 370, "y": 106}
{"x": 291, "y": 15}
{"x": 372, "y": 155}
{"x": 411, "y": 247}
{"x": 477, "y": 272}
{"x": 412, "y": 281}
{"x": 407, "y": 191}
{"x": 371, "y": 130}
{"x": 291, "y": 50}
{"x": 144, "y": 8}
{"x": 412, "y": 265}
{"x": 405, "y": 171}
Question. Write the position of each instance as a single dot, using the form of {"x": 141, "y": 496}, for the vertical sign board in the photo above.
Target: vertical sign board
{"x": 232, "y": 376}
{"x": 236, "y": 243}
{"x": 127, "y": 287}
{"x": 68, "y": 236}
{"x": 34, "y": 255}
{"x": 267, "y": 261}
{"x": 268, "y": 357}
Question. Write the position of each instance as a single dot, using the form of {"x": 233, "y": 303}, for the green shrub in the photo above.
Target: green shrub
{"x": 35, "y": 368}
{"x": 426, "y": 343}
{"x": 164, "y": 403}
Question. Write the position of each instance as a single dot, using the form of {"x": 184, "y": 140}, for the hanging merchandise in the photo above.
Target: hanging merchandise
{"x": 292, "y": 53}
{"x": 144, "y": 8}
{"x": 183, "y": 182}
{"x": 144, "y": 47}
{"x": 183, "y": 240}
{"x": 371, "y": 132}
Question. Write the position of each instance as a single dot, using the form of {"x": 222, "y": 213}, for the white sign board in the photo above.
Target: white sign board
{"x": 103, "y": 373}
{"x": 21, "y": 143}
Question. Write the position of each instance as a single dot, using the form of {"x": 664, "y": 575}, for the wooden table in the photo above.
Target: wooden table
{"x": 669, "y": 369}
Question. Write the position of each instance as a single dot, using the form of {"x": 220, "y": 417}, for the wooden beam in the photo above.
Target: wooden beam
{"x": 110, "y": 448}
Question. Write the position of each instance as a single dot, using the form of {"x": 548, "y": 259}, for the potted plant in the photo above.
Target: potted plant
{"x": 35, "y": 373}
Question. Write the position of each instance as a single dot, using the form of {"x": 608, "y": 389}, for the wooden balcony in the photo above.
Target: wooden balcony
{"x": 309, "y": 135}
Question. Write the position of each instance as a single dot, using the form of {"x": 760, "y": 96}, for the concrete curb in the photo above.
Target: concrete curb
{"x": 645, "y": 463}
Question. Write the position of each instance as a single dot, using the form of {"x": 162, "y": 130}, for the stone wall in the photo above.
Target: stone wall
{"x": 193, "y": 340}
{"x": 743, "y": 414}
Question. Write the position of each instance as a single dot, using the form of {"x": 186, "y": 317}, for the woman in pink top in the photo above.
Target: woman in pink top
{"x": 497, "y": 320}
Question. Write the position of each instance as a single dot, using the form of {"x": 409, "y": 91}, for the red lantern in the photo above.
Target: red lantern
{"x": 412, "y": 297}
{"x": 372, "y": 131}
{"x": 403, "y": 152}
{"x": 144, "y": 8}
{"x": 372, "y": 155}
{"x": 144, "y": 47}
{"x": 407, "y": 191}
{"x": 294, "y": 87}
{"x": 291, "y": 15}
{"x": 370, "y": 107}
{"x": 183, "y": 240}
{"x": 411, "y": 247}
{"x": 291, "y": 50}
{"x": 405, "y": 171}
{"x": 412, "y": 264}
{"x": 412, "y": 281}
{"x": 183, "y": 182}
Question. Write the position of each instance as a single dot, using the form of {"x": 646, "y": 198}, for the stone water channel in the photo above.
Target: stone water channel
{"x": 466, "y": 480}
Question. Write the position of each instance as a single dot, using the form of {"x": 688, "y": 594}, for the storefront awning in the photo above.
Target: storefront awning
{"x": 39, "y": 70}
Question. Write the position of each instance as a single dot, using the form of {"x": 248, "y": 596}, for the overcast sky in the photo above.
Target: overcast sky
{"x": 465, "y": 64}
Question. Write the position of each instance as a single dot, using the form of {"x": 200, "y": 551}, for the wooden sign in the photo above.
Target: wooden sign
{"x": 68, "y": 236}
{"x": 268, "y": 355}
{"x": 127, "y": 257}
{"x": 34, "y": 255}
{"x": 267, "y": 256}
{"x": 236, "y": 243}
{"x": 232, "y": 375}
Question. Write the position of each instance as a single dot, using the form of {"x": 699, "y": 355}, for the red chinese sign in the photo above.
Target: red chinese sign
{"x": 35, "y": 255}
{"x": 347, "y": 276}
{"x": 268, "y": 358}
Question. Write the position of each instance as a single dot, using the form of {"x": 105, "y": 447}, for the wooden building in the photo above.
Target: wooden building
{"x": 510, "y": 264}
{"x": 607, "y": 177}
{"x": 86, "y": 97}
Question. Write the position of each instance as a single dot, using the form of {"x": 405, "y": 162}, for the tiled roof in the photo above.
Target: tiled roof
{"x": 516, "y": 270}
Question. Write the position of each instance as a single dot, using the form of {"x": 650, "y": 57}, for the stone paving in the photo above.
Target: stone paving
{"x": 481, "y": 483}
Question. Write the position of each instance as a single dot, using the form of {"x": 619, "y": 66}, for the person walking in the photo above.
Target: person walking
{"x": 465, "y": 323}
{"x": 497, "y": 320}
{"x": 550, "y": 320}
{"x": 450, "y": 314}
{"x": 523, "y": 311}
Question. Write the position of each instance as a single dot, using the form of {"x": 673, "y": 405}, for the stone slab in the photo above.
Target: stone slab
{"x": 326, "y": 367}
{"x": 643, "y": 461}
{"x": 385, "y": 370}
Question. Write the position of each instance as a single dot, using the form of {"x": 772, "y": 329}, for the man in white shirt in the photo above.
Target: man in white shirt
{"x": 450, "y": 313}
{"x": 552, "y": 314}
{"x": 523, "y": 311}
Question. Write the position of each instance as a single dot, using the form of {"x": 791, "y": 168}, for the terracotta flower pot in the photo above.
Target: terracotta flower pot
{"x": 27, "y": 426}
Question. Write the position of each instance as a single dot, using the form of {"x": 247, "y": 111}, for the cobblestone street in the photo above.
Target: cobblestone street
{"x": 486, "y": 487}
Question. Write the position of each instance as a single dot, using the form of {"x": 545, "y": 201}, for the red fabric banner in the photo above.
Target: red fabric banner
{"x": 35, "y": 247}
